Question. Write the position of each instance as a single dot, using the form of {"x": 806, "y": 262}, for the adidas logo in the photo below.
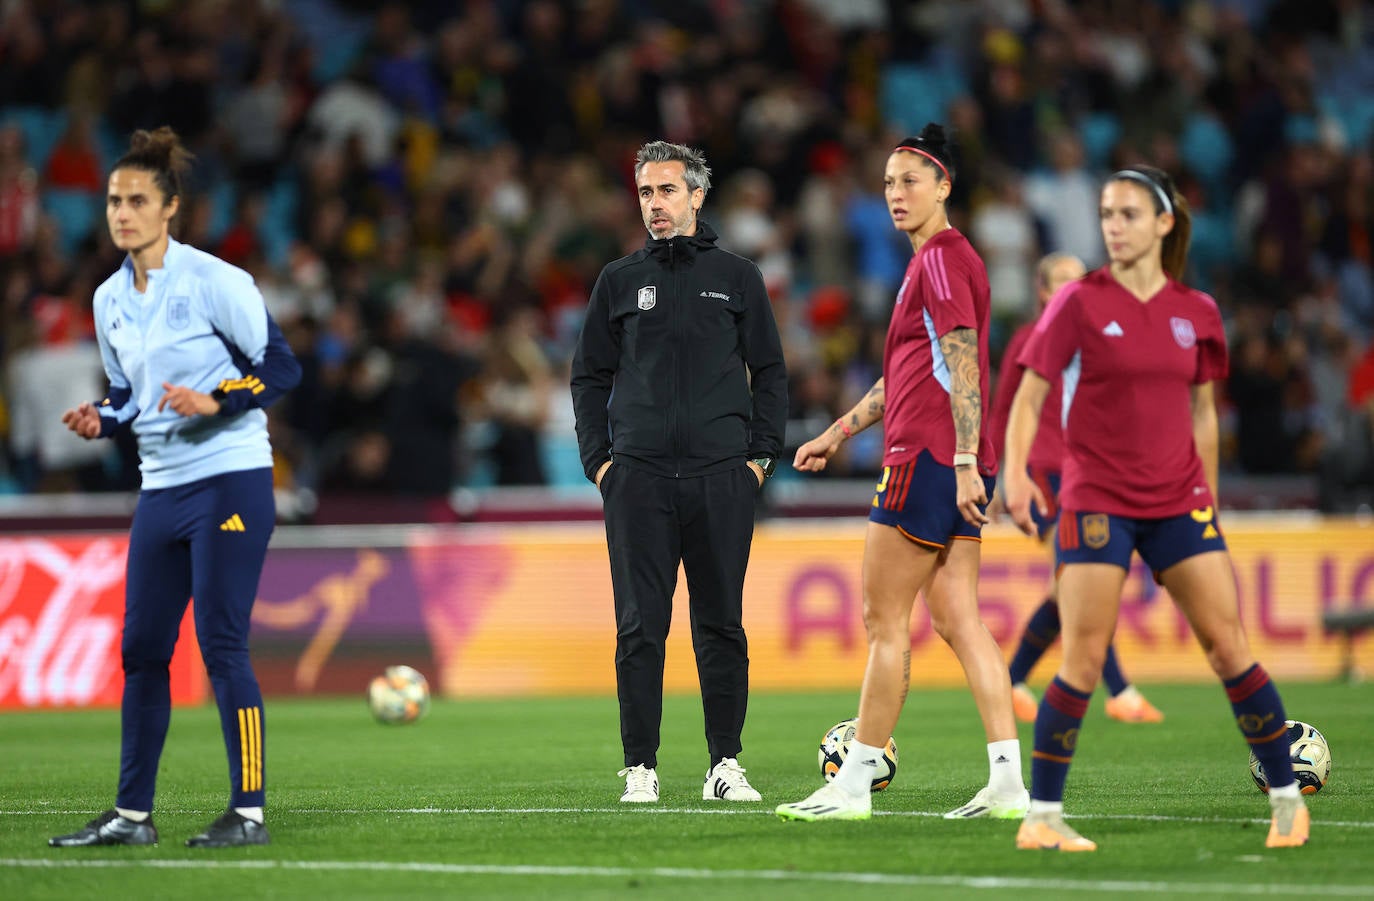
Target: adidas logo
{"x": 1001, "y": 758}
{"x": 872, "y": 761}
{"x": 1113, "y": 329}
{"x": 232, "y": 524}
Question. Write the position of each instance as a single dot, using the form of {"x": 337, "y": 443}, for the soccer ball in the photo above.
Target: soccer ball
{"x": 399, "y": 695}
{"x": 835, "y": 747}
{"x": 1311, "y": 759}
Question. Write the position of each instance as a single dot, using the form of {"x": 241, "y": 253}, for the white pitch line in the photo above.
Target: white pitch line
{"x": 993, "y": 883}
{"x": 638, "y": 810}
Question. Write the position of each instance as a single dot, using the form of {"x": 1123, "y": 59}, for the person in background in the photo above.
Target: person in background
{"x": 1125, "y": 702}
{"x": 939, "y": 469}
{"x": 680, "y": 393}
{"x": 192, "y": 360}
{"x": 1140, "y": 352}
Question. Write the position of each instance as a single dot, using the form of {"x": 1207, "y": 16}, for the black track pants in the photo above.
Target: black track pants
{"x": 652, "y": 524}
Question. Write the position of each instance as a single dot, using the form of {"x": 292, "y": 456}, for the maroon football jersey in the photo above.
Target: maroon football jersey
{"x": 1047, "y": 452}
{"x": 1128, "y": 369}
{"x": 946, "y": 287}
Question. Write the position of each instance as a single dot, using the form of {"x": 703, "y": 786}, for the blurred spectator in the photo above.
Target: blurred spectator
{"x": 517, "y": 385}
{"x": 1064, "y": 199}
{"x": 1004, "y": 232}
{"x": 74, "y": 164}
{"x": 51, "y": 370}
{"x": 406, "y": 181}
{"x": 258, "y": 119}
{"x": 18, "y": 194}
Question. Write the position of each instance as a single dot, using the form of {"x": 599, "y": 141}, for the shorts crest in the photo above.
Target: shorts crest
{"x": 646, "y": 297}
{"x": 1097, "y": 530}
{"x": 1183, "y": 331}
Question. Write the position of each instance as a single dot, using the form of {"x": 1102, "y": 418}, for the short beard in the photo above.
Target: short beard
{"x": 675, "y": 232}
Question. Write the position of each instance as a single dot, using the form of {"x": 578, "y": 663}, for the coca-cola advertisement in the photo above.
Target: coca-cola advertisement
{"x": 61, "y": 610}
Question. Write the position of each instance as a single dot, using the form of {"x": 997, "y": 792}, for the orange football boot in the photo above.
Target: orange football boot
{"x": 1290, "y": 825}
{"x": 1131, "y": 707}
{"x": 1049, "y": 832}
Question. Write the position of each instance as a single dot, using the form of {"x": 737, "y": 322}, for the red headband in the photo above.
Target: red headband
{"x": 928, "y": 156}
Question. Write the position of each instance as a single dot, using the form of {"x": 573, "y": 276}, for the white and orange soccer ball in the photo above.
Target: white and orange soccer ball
{"x": 835, "y": 748}
{"x": 399, "y": 695}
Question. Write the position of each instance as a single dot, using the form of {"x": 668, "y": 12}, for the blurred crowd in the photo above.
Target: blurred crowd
{"x": 426, "y": 191}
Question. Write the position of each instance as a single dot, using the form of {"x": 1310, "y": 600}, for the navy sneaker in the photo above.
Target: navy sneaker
{"x": 108, "y": 829}
{"x": 231, "y": 830}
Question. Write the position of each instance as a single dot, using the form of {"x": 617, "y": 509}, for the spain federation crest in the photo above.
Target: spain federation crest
{"x": 1097, "y": 530}
{"x": 1183, "y": 331}
{"x": 647, "y": 297}
{"x": 178, "y": 312}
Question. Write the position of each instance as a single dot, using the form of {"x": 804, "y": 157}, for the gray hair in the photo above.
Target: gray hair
{"x": 698, "y": 174}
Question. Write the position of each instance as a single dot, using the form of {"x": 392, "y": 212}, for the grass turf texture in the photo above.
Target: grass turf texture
{"x": 518, "y": 798}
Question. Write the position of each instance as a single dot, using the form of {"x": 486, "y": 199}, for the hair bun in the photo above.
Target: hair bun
{"x": 934, "y": 135}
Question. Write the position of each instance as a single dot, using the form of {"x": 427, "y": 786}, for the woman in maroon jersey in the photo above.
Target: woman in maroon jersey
{"x": 1125, "y": 702}
{"x": 939, "y": 467}
{"x": 1138, "y": 352}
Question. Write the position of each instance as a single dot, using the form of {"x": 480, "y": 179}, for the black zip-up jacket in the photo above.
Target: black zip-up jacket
{"x": 679, "y": 367}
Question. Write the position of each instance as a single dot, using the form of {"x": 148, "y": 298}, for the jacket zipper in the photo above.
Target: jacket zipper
{"x": 678, "y": 355}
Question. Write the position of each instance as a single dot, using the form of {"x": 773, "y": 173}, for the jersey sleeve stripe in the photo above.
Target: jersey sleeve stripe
{"x": 935, "y": 268}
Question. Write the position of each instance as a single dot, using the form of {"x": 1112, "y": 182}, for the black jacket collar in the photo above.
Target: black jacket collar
{"x": 683, "y": 246}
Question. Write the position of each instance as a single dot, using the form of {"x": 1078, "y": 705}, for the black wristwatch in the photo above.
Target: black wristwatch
{"x": 767, "y": 464}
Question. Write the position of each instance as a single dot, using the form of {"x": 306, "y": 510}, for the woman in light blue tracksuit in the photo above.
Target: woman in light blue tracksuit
{"x": 193, "y": 359}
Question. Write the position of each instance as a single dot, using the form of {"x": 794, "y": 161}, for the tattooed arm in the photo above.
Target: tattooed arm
{"x": 960, "y": 348}
{"x": 813, "y": 455}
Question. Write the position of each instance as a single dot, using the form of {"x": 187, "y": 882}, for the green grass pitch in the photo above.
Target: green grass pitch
{"x": 518, "y": 798}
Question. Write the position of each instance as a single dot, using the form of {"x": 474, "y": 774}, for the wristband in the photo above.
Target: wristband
{"x": 844, "y": 428}
{"x": 963, "y": 458}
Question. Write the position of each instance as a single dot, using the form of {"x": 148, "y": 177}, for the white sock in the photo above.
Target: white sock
{"x": 856, "y": 776}
{"x": 1291, "y": 790}
{"x": 139, "y": 816}
{"x": 1004, "y": 767}
{"x": 1047, "y": 807}
{"x": 250, "y": 813}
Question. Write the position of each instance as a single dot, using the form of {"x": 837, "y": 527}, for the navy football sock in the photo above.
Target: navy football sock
{"x": 1056, "y": 736}
{"x": 1111, "y": 673}
{"x": 1039, "y": 634}
{"x": 1260, "y": 716}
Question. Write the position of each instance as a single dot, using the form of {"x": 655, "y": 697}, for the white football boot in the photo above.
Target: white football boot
{"x": 829, "y": 802}
{"x": 998, "y": 807}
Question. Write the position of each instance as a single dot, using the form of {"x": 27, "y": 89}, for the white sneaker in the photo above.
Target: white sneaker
{"x": 998, "y": 807}
{"x": 829, "y": 802}
{"x": 641, "y": 785}
{"x": 725, "y": 782}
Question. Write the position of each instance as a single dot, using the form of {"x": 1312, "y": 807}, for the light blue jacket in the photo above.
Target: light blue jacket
{"x": 201, "y": 323}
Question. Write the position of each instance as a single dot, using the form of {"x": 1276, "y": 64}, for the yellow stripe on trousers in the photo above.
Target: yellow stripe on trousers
{"x": 250, "y": 748}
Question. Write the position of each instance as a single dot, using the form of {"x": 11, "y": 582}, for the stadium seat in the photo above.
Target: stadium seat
{"x": 277, "y": 229}
{"x": 223, "y": 201}
{"x": 1099, "y": 133}
{"x": 913, "y": 95}
{"x": 77, "y": 213}
{"x": 41, "y": 130}
{"x": 1206, "y": 147}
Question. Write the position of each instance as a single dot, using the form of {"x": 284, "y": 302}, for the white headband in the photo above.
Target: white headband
{"x": 1149, "y": 183}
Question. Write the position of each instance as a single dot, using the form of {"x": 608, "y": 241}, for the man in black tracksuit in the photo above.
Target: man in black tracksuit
{"x": 680, "y": 393}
